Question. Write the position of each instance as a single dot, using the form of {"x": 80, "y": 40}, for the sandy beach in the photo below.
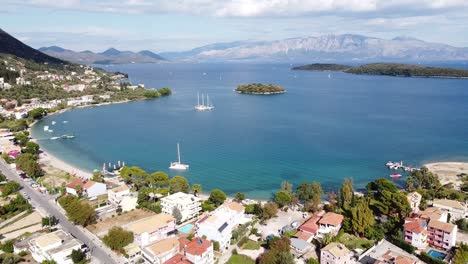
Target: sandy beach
{"x": 448, "y": 171}
{"x": 50, "y": 160}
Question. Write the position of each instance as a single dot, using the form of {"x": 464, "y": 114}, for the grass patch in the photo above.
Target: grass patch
{"x": 240, "y": 259}
{"x": 353, "y": 242}
{"x": 251, "y": 245}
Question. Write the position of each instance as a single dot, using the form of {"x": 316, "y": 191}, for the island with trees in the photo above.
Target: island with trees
{"x": 390, "y": 69}
{"x": 258, "y": 88}
{"x": 322, "y": 67}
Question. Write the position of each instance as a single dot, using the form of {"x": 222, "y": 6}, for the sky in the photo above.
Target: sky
{"x": 176, "y": 25}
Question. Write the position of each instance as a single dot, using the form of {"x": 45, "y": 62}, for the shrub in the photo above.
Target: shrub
{"x": 404, "y": 245}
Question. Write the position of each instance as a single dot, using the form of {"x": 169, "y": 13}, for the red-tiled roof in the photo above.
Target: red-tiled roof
{"x": 197, "y": 246}
{"x": 331, "y": 219}
{"x": 303, "y": 235}
{"x": 310, "y": 225}
{"x": 75, "y": 183}
{"x": 183, "y": 242}
{"x": 88, "y": 185}
{"x": 178, "y": 259}
{"x": 415, "y": 225}
{"x": 441, "y": 226}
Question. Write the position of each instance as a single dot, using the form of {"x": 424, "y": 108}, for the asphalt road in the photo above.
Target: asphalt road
{"x": 47, "y": 204}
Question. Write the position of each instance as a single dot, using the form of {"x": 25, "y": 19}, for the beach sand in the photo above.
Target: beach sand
{"x": 50, "y": 160}
{"x": 448, "y": 171}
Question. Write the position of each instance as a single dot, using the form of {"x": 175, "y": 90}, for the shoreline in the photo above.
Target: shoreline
{"x": 448, "y": 171}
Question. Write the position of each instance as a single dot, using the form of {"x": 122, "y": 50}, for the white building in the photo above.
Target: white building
{"x": 161, "y": 251}
{"x": 335, "y": 253}
{"x": 456, "y": 209}
{"x": 414, "y": 199}
{"x": 123, "y": 198}
{"x": 22, "y": 81}
{"x": 188, "y": 205}
{"x": 219, "y": 225}
{"x": 153, "y": 229}
{"x": 199, "y": 251}
{"x": 56, "y": 246}
{"x": 88, "y": 187}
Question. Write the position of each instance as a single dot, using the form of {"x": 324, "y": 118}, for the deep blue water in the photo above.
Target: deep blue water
{"x": 323, "y": 129}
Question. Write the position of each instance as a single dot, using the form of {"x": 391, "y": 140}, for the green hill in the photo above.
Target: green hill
{"x": 322, "y": 67}
{"x": 259, "y": 88}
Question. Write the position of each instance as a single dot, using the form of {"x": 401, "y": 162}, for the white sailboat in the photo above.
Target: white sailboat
{"x": 203, "y": 106}
{"x": 46, "y": 128}
{"x": 177, "y": 165}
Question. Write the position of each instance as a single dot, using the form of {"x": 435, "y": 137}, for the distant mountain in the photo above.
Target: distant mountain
{"x": 345, "y": 47}
{"x": 109, "y": 56}
{"x": 11, "y": 45}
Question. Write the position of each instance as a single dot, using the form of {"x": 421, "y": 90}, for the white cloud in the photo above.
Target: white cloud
{"x": 250, "y": 8}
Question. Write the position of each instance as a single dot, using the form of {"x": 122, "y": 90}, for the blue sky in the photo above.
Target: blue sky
{"x": 174, "y": 25}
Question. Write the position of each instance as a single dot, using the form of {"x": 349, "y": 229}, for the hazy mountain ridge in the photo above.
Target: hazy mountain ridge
{"x": 109, "y": 56}
{"x": 11, "y": 45}
{"x": 324, "y": 48}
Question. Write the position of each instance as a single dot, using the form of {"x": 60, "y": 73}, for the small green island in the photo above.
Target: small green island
{"x": 259, "y": 88}
{"x": 389, "y": 69}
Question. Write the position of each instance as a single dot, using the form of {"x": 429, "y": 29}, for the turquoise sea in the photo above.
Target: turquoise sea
{"x": 325, "y": 128}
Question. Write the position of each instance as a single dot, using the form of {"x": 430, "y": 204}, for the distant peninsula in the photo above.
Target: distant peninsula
{"x": 389, "y": 69}
{"x": 322, "y": 67}
{"x": 258, "y": 88}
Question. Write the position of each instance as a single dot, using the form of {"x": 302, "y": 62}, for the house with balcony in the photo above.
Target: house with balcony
{"x": 414, "y": 199}
{"x": 441, "y": 234}
{"x": 122, "y": 197}
{"x": 219, "y": 225}
{"x": 152, "y": 229}
{"x": 56, "y": 246}
{"x": 433, "y": 213}
{"x": 335, "y": 253}
{"x": 88, "y": 188}
{"x": 199, "y": 250}
{"x": 415, "y": 232}
{"x": 188, "y": 204}
{"x": 330, "y": 223}
{"x": 161, "y": 251}
{"x": 456, "y": 209}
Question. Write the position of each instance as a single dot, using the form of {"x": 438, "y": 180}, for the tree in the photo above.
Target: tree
{"x": 422, "y": 179}
{"x": 22, "y": 138}
{"x": 196, "y": 189}
{"x": 179, "y": 184}
{"x": 278, "y": 253}
{"x": 31, "y": 147}
{"x": 7, "y": 246}
{"x": 49, "y": 261}
{"x": 217, "y": 197}
{"x": 310, "y": 194}
{"x": 346, "y": 194}
{"x": 177, "y": 214}
{"x": 117, "y": 238}
{"x": 461, "y": 254}
{"x": 240, "y": 197}
{"x": 362, "y": 217}
{"x": 269, "y": 210}
{"x": 135, "y": 175}
{"x": 79, "y": 212}
{"x": 282, "y": 198}
{"x": 313, "y": 261}
{"x": 159, "y": 179}
{"x": 10, "y": 188}
{"x": 286, "y": 186}
{"x": 164, "y": 91}
{"x": 37, "y": 113}
{"x": 78, "y": 256}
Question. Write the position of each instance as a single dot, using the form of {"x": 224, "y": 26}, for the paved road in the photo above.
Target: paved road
{"x": 47, "y": 204}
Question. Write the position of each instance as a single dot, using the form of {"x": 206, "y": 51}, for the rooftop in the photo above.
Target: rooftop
{"x": 441, "y": 225}
{"x": 178, "y": 259}
{"x": 310, "y": 225}
{"x": 197, "y": 246}
{"x": 300, "y": 244}
{"x": 336, "y": 249}
{"x": 449, "y": 203}
{"x": 75, "y": 183}
{"x": 180, "y": 197}
{"x": 431, "y": 213}
{"x": 385, "y": 251}
{"x": 331, "y": 219}
{"x": 236, "y": 206}
{"x": 57, "y": 241}
{"x": 151, "y": 223}
{"x": 415, "y": 225}
{"x": 163, "y": 246}
{"x": 120, "y": 188}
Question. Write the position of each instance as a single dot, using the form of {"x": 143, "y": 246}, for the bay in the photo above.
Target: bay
{"x": 322, "y": 129}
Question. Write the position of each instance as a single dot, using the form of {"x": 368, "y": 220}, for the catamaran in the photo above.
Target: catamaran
{"x": 177, "y": 165}
{"x": 203, "y": 106}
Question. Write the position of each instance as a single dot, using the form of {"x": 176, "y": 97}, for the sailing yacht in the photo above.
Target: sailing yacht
{"x": 203, "y": 106}
{"x": 177, "y": 165}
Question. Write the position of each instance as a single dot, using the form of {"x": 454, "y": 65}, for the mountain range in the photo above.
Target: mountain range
{"x": 11, "y": 45}
{"x": 344, "y": 47}
{"x": 109, "y": 56}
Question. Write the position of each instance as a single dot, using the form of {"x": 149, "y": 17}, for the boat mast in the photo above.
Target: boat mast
{"x": 202, "y": 99}
{"x": 178, "y": 152}
{"x": 198, "y": 98}
{"x": 207, "y": 100}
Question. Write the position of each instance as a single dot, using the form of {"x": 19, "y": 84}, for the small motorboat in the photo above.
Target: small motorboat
{"x": 395, "y": 175}
{"x": 389, "y": 164}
